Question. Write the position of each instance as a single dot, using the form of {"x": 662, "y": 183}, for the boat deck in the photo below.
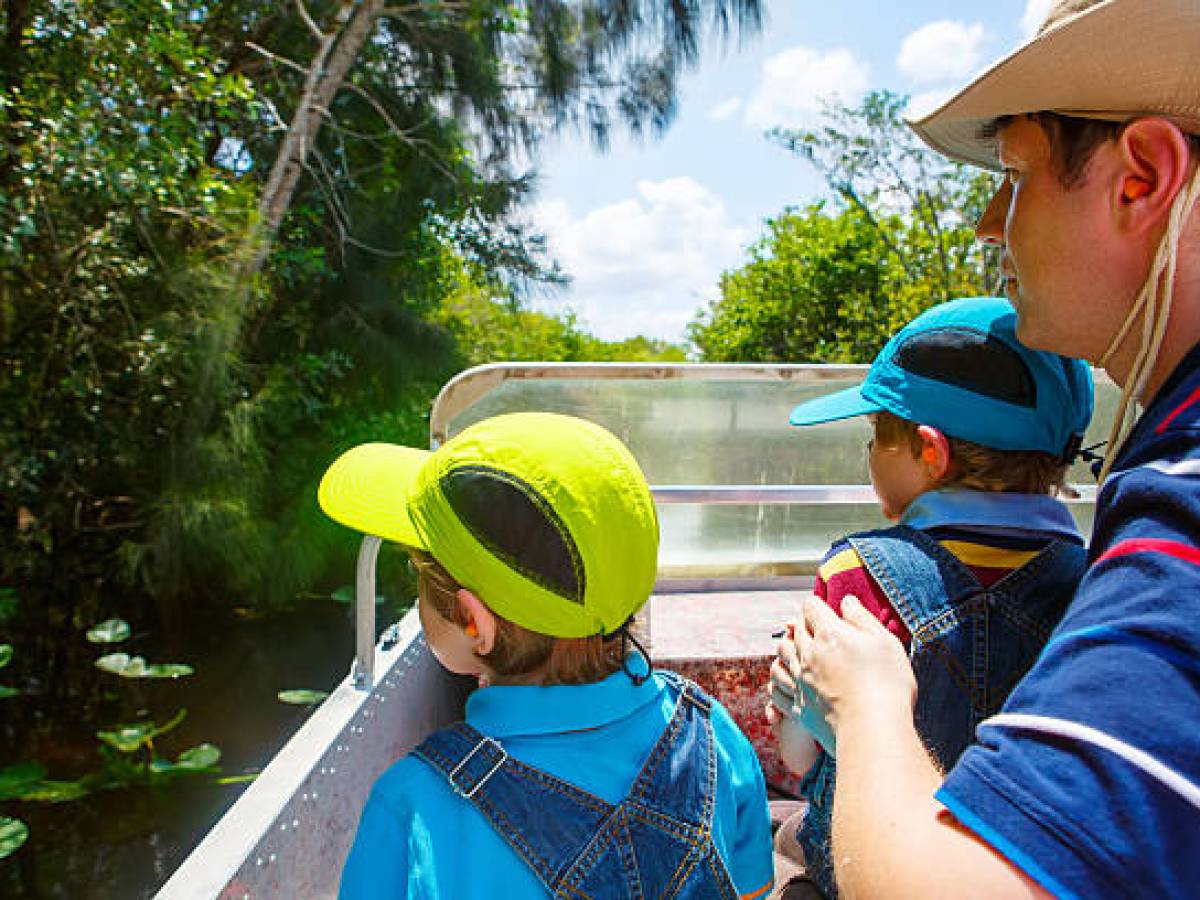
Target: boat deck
{"x": 722, "y": 641}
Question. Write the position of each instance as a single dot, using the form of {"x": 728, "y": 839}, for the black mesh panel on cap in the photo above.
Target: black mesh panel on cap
{"x": 516, "y": 524}
{"x": 971, "y": 360}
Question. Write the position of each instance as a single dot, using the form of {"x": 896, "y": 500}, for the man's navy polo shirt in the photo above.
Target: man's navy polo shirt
{"x": 1089, "y": 778}
{"x": 418, "y": 839}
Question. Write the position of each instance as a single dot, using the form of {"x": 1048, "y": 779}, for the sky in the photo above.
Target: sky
{"x": 645, "y": 229}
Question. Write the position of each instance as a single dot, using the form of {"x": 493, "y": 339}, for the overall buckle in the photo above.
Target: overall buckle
{"x": 493, "y": 744}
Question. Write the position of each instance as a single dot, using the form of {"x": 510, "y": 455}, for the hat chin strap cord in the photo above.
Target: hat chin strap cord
{"x": 1154, "y": 306}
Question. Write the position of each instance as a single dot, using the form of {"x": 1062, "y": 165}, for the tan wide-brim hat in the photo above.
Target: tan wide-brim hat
{"x": 1113, "y": 59}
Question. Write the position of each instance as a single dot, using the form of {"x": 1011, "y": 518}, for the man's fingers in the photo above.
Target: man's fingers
{"x": 785, "y": 702}
{"x": 788, "y": 655}
{"x": 782, "y": 674}
{"x": 773, "y": 714}
{"x": 856, "y": 614}
{"x": 817, "y": 614}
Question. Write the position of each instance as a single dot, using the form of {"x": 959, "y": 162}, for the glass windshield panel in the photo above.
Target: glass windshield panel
{"x": 715, "y": 431}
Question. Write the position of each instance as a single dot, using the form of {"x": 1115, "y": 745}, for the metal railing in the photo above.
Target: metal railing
{"x": 470, "y": 387}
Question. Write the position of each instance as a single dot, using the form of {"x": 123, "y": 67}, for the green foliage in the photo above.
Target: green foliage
{"x": 27, "y": 781}
{"x": 831, "y": 285}
{"x": 130, "y": 738}
{"x": 302, "y": 697}
{"x": 110, "y": 631}
{"x": 488, "y": 326}
{"x": 128, "y": 759}
{"x": 8, "y": 604}
{"x": 817, "y": 288}
{"x": 136, "y": 667}
{"x": 13, "y": 833}
{"x": 6, "y": 655}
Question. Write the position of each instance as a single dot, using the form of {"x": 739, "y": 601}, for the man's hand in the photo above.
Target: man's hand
{"x": 849, "y": 666}
{"x": 789, "y": 695}
{"x": 798, "y": 750}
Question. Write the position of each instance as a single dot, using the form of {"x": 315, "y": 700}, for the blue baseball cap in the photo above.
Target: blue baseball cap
{"x": 960, "y": 368}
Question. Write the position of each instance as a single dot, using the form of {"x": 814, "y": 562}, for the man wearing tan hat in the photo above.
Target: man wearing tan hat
{"x": 1087, "y": 783}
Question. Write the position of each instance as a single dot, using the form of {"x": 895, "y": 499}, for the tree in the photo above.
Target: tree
{"x": 832, "y": 284}
{"x": 488, "y": 325}
{"x": 817, "y": 288}
{"x": 507, "y": 71}
{"x": 874, "y": 162}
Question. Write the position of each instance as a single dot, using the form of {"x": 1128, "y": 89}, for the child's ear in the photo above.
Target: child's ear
{"x": 481, "y": 622}
{"x": 935, "y": 451}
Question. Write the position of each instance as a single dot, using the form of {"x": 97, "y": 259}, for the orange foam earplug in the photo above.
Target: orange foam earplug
{"x": 1135, "y": 188}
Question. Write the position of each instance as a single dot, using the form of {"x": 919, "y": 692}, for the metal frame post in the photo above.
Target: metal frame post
{"x": 363, "y": 672}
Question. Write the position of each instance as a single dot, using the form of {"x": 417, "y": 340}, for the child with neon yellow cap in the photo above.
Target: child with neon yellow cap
{"x": 579, "y": 770}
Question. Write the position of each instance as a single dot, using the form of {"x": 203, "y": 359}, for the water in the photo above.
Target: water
{"x": 126, "y": 843}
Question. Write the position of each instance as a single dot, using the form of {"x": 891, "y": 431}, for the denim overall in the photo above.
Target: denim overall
{"x": 656, "y": 843}
{"x": 970, "y": 646}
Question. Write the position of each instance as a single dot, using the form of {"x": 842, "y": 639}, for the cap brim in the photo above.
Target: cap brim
{"x": 832, "y": 407}
{"x": 367, "y": 489}
{"x": 1068, "y": 69}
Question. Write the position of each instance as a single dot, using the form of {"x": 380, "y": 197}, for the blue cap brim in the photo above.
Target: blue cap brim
{"x": 843, "y": 405}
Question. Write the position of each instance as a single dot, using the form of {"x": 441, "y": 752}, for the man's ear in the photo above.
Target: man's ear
{"x": 480, "y": 620}
{"x": 1153, "y": 157}
{"x": 935, "y": 451}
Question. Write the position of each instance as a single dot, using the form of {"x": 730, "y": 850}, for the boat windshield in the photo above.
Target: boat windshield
{"x": 740, "y": 492}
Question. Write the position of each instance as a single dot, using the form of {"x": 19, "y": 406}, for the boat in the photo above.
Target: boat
{"x": 747, "y": 508}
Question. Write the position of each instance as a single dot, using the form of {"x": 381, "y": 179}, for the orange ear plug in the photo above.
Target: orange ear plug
{"x": 1135, "y": 188}
{"x": 471, "y": 630}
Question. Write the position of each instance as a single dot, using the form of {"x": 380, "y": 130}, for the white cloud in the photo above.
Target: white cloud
{"x": 927, "y": 101}
{"x": 941, "y": 51}
{"x": 646, "y": 264}
{"x": 1035, "y": 14}
{"x": 796, "y": 81}
{"x": 725, "y": 109}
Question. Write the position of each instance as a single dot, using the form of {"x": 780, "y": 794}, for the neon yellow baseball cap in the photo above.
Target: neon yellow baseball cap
{"x": 548, "y": 518}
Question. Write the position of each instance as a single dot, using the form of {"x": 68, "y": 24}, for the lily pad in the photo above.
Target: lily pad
{"x": 16, "y": 780}
{"x": 26, "y": 781}
{"x": 201, "y": 758}
{"x": 111, "y": 631}
{"x": 164, "y": 670}
{"x": 56, "y": 791}
{"x": 13, "y": 833}
{"x": 6, "y": 654}
{"x": 127, "y": 738}
{"x": 136, "y": 667}
{"x": 236, "y": 779}
{"x": 302, "y": 697}
{"x": 113, "y": 662}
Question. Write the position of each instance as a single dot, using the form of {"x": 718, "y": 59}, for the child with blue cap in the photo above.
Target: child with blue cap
{"x": 973, "y": 434}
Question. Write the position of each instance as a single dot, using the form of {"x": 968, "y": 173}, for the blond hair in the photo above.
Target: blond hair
{"x": 976, "y": 467}
{"x": 517, "y": 651}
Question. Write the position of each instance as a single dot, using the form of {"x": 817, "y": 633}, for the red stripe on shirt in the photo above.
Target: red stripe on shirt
{"x": 1162, "y": 426}
{"x": 1186, "y": 552}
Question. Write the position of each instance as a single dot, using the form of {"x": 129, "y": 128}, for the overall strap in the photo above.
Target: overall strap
{"x": 1035, "y": 596}
{"x": 658, "y": 843}
{"x": 517, "y": 800}
{"x": 922, "y": 580}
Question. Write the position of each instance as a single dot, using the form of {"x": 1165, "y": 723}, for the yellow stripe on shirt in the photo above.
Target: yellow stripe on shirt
{"x": 841, "y": 562}
{"x": 986, "y": 557}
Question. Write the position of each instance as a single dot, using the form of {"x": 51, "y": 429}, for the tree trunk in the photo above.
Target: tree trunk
{"x": 337, "y": 52}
